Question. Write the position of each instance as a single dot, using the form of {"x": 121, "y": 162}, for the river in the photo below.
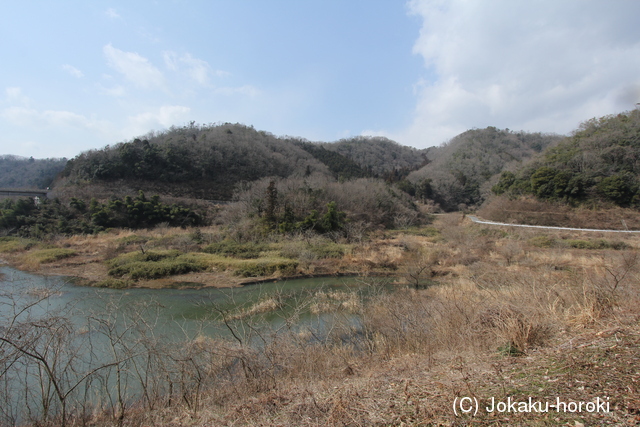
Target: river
{"x": 68, "y": 349}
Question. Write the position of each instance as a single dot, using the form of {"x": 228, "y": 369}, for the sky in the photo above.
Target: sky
{"x": 80, "y": 75}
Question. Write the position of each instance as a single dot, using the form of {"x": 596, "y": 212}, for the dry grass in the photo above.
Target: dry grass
{"x": 416, "y": 351}
{"x": 507, "y": 317}
{"x": 287, "y": 257}
{"x": 528, "y": 210}
{"x": 34, "y": 258}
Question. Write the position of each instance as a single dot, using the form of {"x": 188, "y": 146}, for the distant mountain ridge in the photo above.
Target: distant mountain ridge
{"x": 599, "y": 163}
{"x": 461, "y": 172}
{"x": 29, "y": 173}
{"x": 379, "y": 155}
{"x": 209, "y": 161}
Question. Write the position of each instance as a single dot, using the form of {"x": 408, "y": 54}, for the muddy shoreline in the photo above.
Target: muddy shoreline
{"x": 92, "y": 272}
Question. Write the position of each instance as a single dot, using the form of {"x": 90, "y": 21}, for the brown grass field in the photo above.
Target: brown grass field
{"x": 480, "y": 312}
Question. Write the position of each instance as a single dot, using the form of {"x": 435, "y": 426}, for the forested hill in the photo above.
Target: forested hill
{"x": 461, "y": 172}
{"x": 599, "y": 163}
{"x": 22, "y": 172}
{"x": 208, "y": 161}
{"x": 379, "y": 155}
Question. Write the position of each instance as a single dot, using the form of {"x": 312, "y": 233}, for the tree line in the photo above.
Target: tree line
{"x": 460, "y": 173}
{"x": 599, "y": 163}
{"x": 25, "y": 218}
{"x": 317, "y": 204}
{"x": 22, "y": 172}
{"x": 209, "y": 160}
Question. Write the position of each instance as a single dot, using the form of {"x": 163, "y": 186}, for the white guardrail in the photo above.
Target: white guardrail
{"x": 479, "y": 221}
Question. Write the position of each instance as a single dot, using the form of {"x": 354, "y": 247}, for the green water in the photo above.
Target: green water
{"x": 104, "y": 331}
{"x": 190, "y": 309}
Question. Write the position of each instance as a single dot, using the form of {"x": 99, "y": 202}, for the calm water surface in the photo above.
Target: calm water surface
{"x": 180, "y": 310}
{"x": 179, "y": 316}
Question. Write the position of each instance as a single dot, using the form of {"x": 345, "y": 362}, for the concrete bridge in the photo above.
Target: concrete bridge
{"x": 18, "y": 192}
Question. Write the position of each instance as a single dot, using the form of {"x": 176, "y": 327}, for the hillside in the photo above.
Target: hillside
{"x": 599, "y": 164}
{"x": 475, "y": 311}
{"x": 209, "y": 161}
{"x": 340, "y": 166}
{"x": 270, "y": 185}
{"x": 379, "y": 156}
{"x": 194, "y": 161}
{"x": 22, "y": 172}
{"x": 460, "y": 172}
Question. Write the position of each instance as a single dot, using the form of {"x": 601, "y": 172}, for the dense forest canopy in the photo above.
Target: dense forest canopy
{"x": 209, "y": 160}
{"x": 379, "y": 155}
{"x": 341, "y": 167}
{"x": 25, "y": 218}
{"x": 212, "y": 159}
{"x": 20, "y": 172}
{"x": 277, "y": 185}
{"x": 600, "y": 162}
{"x": 288, "y": 184}
{"x": 460, "y": 172}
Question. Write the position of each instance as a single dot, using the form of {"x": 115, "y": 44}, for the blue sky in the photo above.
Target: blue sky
{"x": 78, "y": 75}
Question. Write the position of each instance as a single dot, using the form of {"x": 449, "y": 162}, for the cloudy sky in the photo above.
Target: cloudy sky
{"x": 78, "y": 75}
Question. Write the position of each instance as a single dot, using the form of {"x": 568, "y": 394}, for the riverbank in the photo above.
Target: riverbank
{"x": 174, "y": 257}
{"x": 195, "y": 258}
{"x": 486, "y": 312}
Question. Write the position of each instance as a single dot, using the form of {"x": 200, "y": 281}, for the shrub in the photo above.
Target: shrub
{"x": 143, "y": 257}
{"x": 155, "y": 269}
{"x": 50, "y": 255}
{"x": 197, "y": 236}
{"x": 328, "y": 250}
{"x": 134, "y": 239}
{"x": 114, "y": 283}
{"x": 594, "y": 244}
{"x": 15, "y": 244}
{"x": 542, "y": 241}
{"x": 316, "y": 249}
{"x": 153, "y": 265}
{"x": 266, "y": 267}
{"x": 237, "y": 250}
{"x": 422, "y": 231}
{"x": 293, "y": 250}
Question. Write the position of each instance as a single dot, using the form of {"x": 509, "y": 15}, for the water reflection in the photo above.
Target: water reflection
{"x": 70, "y": 348}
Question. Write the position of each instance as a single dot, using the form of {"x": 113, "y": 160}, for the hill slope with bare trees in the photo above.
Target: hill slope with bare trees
{"x": 460, "y": 173}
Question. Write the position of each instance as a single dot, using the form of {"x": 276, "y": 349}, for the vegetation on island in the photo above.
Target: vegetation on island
{"x": 475, "y": 302}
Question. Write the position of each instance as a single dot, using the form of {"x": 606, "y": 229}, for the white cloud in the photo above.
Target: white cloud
{"x": 14, "y": 96}
{"x": 246, "y": 90}
{"x": 164, "y": 117}
{"x": 198, "y": 70}
{"x": 66, "y": 118}
{"x": 20, "y": 116}
{"x": 116, "y": 91}
{"x": 171, "y": 60}
{"x": 111, "y": 13}
{"x": 30, "y": 117}
{"x": 538, "y": 66}
{"x": 73, "y": 71}
{"x": 134, "y": 67}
